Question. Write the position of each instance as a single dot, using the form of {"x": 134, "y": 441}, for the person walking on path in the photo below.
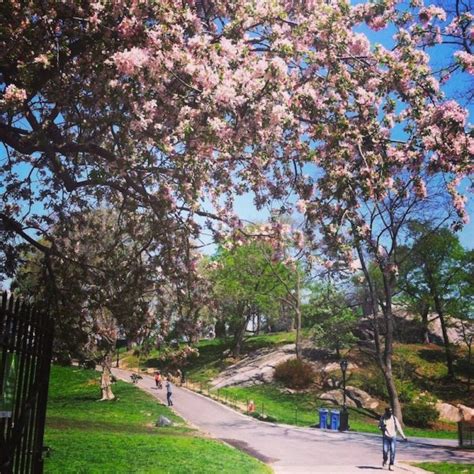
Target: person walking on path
{"x": 390, "y": 425}
{"x": 158, "y": 380}
{"x": 169, "y": 392}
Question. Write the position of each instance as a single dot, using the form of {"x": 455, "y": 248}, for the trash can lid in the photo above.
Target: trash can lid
{"x": 323, "y": 410}
{"x": 336, "y": 412}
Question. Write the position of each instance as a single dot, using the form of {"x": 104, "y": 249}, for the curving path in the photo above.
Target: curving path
{"x": 298, "y": 450}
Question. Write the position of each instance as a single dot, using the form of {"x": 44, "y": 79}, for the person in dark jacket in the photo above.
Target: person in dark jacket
{"x": 169, "y": 392}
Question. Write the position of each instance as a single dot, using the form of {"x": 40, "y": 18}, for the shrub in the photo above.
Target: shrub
{"x": 374, "y": 383}
{"x": 406, "y": 391}
{"x": 294, "y": 373}
{"x": 419, "y": 413}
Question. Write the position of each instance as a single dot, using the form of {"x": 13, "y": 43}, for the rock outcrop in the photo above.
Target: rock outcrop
{"x": 256, "y": 368}
{"x": 335, "y": 397}
{"x": 361, "y": 398}
{"x": 355, "y": 397}
{"x": 335, "y": 366}
{"x": 466, "y": 413}
{"x": 454, "y": 413}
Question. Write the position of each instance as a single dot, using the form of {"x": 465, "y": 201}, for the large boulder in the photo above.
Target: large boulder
{"x": 466, "y": 413}
{"x": 256, "y": 368}
{"x": 448, "y": 412}
{"x": 361, "y": 398}
{"x": 335, "y": 397}
{"x": 335, "y": 366}
{"x": 453, "y": 413}
{"x": 355, "y": 397}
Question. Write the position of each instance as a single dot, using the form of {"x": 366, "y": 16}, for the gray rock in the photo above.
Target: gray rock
{"x": 336, "y": 398}
{"x": 467, "y": 413}
{"x": 448, "y": 412}
{"x": 256, "y": 368}
{"x": 361, "y": 398}
{"x": 335, "y": 366}
{"x": 163, "y": 421}
{"x": 355, "y": 397}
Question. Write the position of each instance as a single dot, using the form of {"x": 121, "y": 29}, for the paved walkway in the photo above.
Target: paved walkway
{"x": 298, "y": 450}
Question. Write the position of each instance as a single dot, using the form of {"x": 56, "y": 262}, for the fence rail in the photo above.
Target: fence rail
{"x": 26, "y": 336}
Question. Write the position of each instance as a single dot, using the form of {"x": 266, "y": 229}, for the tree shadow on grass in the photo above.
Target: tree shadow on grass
{"x": 432, "y": 355}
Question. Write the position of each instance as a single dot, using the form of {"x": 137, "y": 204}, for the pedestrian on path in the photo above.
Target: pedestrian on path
{"x": 390, "y": 425}
{"x": 158, "y": 380}
{"x": 169, "y": 392}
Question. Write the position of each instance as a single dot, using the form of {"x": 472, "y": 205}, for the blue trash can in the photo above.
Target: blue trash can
{"x": 335, "y": 419}
{"x": 323, "y": 418}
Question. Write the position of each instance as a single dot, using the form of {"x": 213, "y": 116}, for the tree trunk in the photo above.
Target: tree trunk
{"x": 220, "y": 329}
{"x": 106, "y": 379}
{"x": 239, "y": 336}
{"x": 383, "y": 359}
{"x": 424, "y": 322}
{"x": 388, "y": 284}
{"x": 298, "y": 317}
{"x": 392, "y": 393}
{"x": 469, "y": 366}
{"x": 444, "y": 330}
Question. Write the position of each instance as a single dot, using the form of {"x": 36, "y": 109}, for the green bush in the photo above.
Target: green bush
{"x": 294, "y": 373}
{"x": 407, "y": 391}
{"x": 420, "y": 413}
{"x": 374, "y": 383}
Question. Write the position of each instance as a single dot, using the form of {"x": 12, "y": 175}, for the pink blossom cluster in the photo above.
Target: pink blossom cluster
{"x": 433, "y": 11}
{"x": 14, "y": 94}
{"x": 130, "y": 60}
{"x": 466, "y": 60}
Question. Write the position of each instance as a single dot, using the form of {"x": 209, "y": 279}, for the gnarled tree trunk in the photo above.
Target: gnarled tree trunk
{"x": 106, "y": 379}
{"x": 239, "y": 335}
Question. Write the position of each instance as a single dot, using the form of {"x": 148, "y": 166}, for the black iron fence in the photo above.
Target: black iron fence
{"x": 466, "y": 434}
{"x": 26, "y": 336}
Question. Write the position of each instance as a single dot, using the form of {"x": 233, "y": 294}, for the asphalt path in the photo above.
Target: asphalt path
{"x": 290, "y": 449}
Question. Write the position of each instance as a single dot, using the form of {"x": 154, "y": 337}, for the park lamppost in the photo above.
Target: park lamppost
{"x": 344, "y": 423}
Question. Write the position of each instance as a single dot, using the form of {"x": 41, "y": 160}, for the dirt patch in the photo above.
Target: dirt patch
{"x": 243, "y": 446}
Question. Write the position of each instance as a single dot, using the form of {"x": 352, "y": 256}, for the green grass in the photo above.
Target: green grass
{"x": 301, "y": 409}
{"x": 425, "y": 365}
{"x": 293, "y": 408}
{"x": 446, "y": 467}
{"x": 88, "y": 436}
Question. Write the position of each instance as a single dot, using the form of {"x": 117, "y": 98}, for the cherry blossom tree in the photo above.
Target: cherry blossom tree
{"x": 173, "y": 109}
{"x": 110, "y": 289}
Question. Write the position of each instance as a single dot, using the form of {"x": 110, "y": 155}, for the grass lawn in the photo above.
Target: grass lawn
{"x": 446, "y": 467}
{"x": 301, "y": 409}
{"x": 294, "y": 408}
{"x": 88, "y": 436}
